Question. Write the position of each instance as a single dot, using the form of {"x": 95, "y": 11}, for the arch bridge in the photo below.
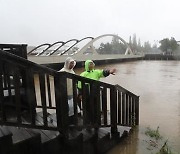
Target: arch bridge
{"x": 59, "y": 51}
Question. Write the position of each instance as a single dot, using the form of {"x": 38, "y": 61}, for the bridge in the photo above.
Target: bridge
{"x": 34, "y": 108}
{"x": 47, "y": 55}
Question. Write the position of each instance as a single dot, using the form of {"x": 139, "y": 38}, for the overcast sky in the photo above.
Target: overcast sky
{"x": 34, "y": 22}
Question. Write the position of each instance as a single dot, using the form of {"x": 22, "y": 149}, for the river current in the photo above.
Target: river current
{"x": 158, "y": 85}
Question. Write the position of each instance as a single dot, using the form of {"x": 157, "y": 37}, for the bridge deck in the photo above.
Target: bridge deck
{"x": 81, "y": 58}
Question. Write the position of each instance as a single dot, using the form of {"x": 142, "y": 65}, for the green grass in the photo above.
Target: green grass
{"x": 153, "y": 133}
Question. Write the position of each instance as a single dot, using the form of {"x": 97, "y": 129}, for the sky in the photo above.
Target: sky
{"x": 35, "y": 22}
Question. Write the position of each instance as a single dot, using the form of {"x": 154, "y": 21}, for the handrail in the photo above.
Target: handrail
{"x": 12, "y": 45}
{"x": 40, "y": 88}
{"x": 23, "y": 62}
{"x": 118, "y": 87}
{"x": 128, "y": 115}
{"x": 17, "y": 49}
{"x": 128, "y": 107}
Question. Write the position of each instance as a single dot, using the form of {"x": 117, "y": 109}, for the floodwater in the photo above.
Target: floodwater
{"x": 158, "y": 85}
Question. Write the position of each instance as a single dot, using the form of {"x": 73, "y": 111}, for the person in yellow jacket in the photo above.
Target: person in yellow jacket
{"x": 95, "y": 74}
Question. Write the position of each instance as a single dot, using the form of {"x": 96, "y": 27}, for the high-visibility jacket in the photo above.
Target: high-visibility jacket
{"x": 94, "y": 74}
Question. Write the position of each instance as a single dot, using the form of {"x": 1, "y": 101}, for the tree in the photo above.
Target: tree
{"x": 134, "y": 43}
{"x": 117, "y": 46}
{"x": 130, "y": 42}
{"x": 147, "y": 47}
{"x": 105, "y": 48}
{"x": 173, "y": 44}
{"x": 139, "y": 47}
{"x": 135, "y": 47}
{"x": 168, "y": 45}
{"x": 165, "y": 44}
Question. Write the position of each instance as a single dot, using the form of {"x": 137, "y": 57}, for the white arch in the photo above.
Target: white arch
{"x": 90, "y": 44}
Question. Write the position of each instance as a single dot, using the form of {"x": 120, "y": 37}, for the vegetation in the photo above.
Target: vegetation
{"x": 155, "y": 137}
{"x": 167, "y": 46}
{"x": 153, "y": 133}
{"x": 115, "y": 47}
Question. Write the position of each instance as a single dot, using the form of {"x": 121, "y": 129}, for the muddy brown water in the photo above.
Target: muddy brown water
{"x": 158, "y": 85}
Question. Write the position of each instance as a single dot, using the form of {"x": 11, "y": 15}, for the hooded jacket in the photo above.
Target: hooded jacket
{"x": 66, "y": 65}
{"x": 94, "y": 74}
{"x": 66, "y": 69}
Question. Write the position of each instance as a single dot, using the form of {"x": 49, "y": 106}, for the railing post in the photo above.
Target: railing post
{"x": 97, "y": 112}
{"x": 43, "y": 97}
{"x": 2, "y": 82}
{"x": 130, "y": 111}
{"x": 85, "y": 95}
{"x": 123, "y": 108}
{"x": 127, "y": 109}
{"x": 62, "y": 103}
{"x": 104, "y": 104}
{"x": 48, "y": 89}
{"x": 119, "y": 108}
{"x": 113, "y": 109}
{"x": 137, "y": 110}
{"x": 18, "y": 102}
{"x": 90, "y": 105}
{"x": 75, "y": 99}
{"x": 58, "y": 101}
{"x": 30, "y": 93}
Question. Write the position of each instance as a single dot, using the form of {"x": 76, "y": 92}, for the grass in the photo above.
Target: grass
{"x": 154, "y": 134}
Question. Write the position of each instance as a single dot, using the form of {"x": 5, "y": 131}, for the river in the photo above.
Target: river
{"x": 158, "y": 85}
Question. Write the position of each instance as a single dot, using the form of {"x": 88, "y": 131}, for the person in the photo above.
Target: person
{"x": 95, "y": 74}
{"x": 69, "y": 64}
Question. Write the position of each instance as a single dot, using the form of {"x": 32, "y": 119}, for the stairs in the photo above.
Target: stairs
{"x": 19, "y": 141}
{"x": 5, "y": 141}
{"x": 35, "y": 141}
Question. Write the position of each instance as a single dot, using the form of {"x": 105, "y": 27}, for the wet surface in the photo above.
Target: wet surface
{"x": 158, "y": 85}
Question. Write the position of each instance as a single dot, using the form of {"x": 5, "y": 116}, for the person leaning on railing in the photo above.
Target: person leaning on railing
{"x": 95, "y": 74}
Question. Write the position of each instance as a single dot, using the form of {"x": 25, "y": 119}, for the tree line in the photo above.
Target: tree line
{"x": 167, "y": 46}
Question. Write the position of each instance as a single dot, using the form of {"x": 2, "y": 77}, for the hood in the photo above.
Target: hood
{"x": 67, "y": 62}
{"x": 87, "y": 64}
